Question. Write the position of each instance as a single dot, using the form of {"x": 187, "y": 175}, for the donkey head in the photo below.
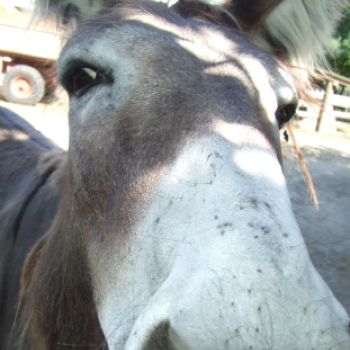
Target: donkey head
{"x": 175, "y": 229}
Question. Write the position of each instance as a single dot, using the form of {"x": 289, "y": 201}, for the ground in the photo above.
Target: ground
{"x": 326, "y": 232}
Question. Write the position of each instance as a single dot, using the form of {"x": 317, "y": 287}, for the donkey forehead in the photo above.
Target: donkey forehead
{"x": 166, "y": 40}
{"x": 145, "y": 33}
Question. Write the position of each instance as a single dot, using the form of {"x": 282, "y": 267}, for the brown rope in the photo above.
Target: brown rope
{"x": 308, "y": 178}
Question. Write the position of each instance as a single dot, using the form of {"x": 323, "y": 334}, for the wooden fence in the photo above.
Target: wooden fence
{"x": 330, "y": 107}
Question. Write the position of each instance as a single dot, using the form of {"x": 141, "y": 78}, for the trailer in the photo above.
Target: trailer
{"x": 27, "y": 57}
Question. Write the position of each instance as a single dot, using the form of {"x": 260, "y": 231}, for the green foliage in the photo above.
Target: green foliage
{"x": 339, "y": 58}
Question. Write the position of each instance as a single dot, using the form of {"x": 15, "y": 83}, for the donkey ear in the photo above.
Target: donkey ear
{"x": 297, "y": 31}
{"x": 64, "y": 11}
{"x": 249, "y": 13}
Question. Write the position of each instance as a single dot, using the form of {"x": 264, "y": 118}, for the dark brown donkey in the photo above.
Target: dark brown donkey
{"x": 28, "y": 203}
{"x": 174, "y": 228}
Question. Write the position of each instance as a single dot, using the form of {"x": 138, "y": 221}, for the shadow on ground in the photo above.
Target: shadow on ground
{"x": 326, "y": 233}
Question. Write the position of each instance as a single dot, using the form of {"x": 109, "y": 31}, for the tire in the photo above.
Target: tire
{"x": 23, "y": 84}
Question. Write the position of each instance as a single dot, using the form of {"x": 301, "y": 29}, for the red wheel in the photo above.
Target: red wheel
{"x": 21, "y": 87}
{"x": 23, "y": 84}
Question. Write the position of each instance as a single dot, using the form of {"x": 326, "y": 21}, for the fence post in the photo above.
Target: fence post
{"x": 325, "y": 104}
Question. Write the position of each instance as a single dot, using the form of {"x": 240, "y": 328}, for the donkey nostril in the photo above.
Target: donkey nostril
{"x": 159, "y": 338}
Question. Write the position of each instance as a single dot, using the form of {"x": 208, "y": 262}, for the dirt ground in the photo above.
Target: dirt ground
{"x": 327, "y": 233}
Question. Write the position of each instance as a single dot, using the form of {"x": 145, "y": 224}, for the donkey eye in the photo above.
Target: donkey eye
{"x": 285, "y": 113}
{"x": 84, "y": 78}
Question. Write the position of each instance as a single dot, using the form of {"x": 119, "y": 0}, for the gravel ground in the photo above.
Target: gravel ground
{"x": 327, "y": 233}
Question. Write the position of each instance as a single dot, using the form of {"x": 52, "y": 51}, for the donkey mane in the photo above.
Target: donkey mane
{"x": 301, "y": 29}
{"x": 285, "y": 28}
